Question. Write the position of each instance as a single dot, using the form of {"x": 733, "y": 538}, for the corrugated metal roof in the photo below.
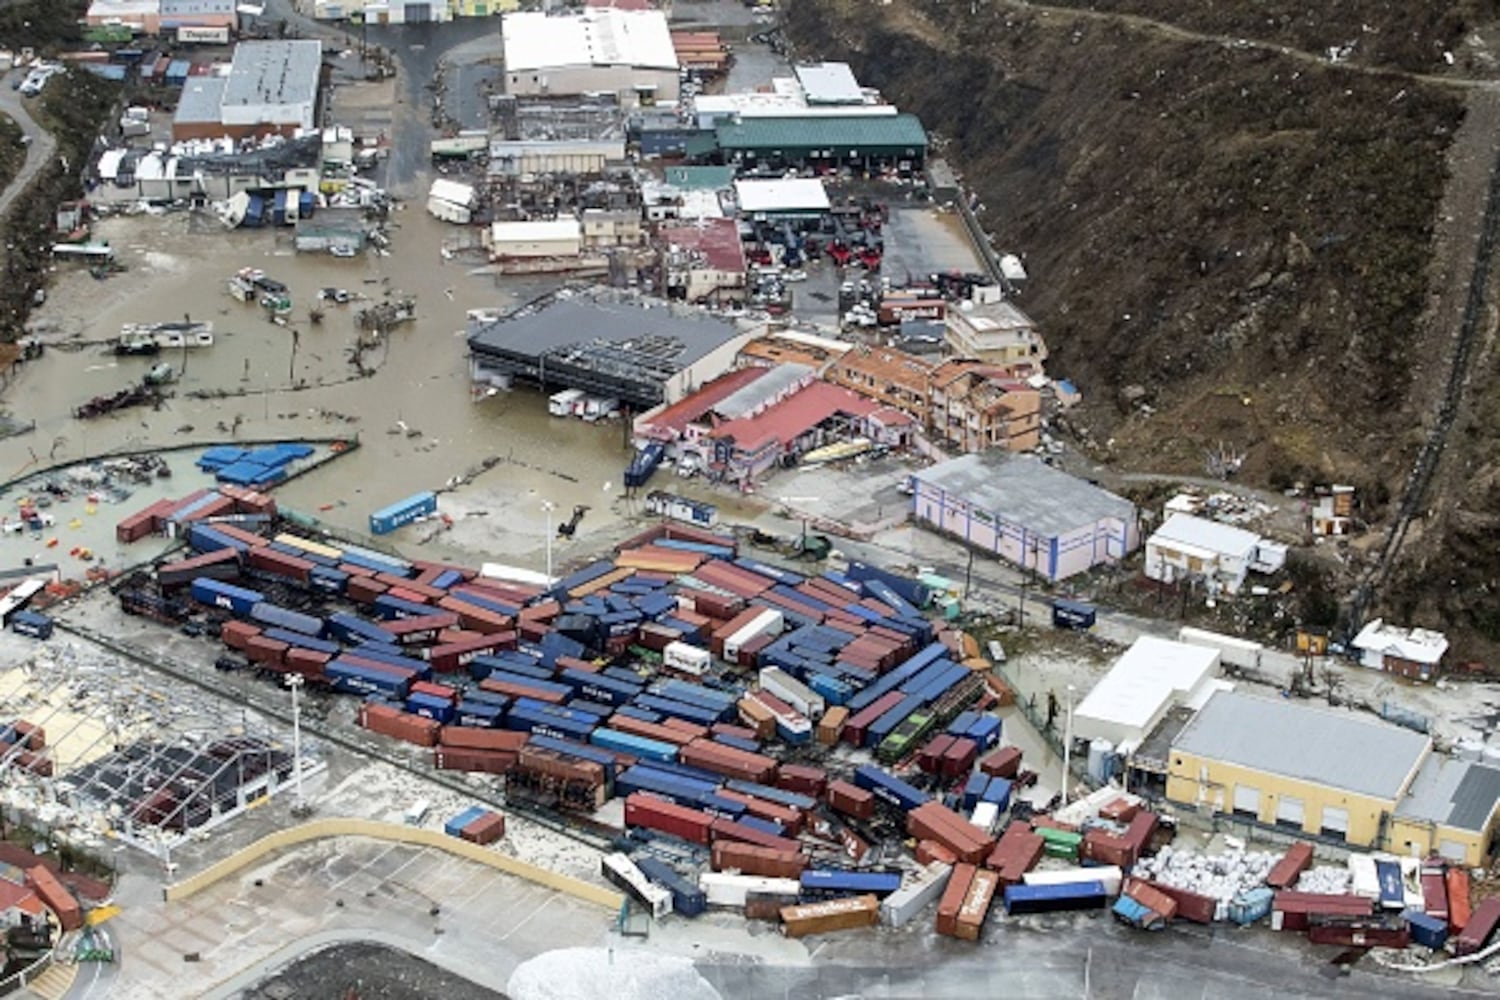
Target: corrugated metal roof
{"x": 279, "y": 72}
{"x": 1224, "y": 539}
{"x": 794, "y": 416}
{"x": 855, "y": 132}
{"x": 1323, "y": 747}
{"x": 829, "y": 83}
{"x": 700, "y": 178}
{"x": 1024, "y": 490}
{"x": 1457, "y": 793}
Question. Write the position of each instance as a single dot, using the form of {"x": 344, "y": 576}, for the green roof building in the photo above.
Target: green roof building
{"x": 865, "y": 141}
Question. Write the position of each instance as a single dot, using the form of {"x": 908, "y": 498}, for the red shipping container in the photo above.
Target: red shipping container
{"x": 219, "y": 506}
{"x": 1192, "y": 906}
{"x": 400, "y": 725}
{"x": 789, "y": 818}
{"x": 953, "y": 898}
{"x": 269, "y": 652}
{"x": 969, "y": 923}
{"x": 861, "y": 721}
{"x": 517, "y": 690}
{"x": 146, "y": 521}
{"x": 362, "y": 590}
{"x": 403, "y": 593}
{"x": 657, "y": 637}
{"x": 850, "y": 800}
{"x": 650, "y": 730}
{"x": 573, "y": 663}
{"x": 34, "y": 763}
{"x": 436, "y": 690}
{"x": 1119, "y": 810}
{"x": 1153, "y": 899}
{"x": 29, "y": 735}
{"x": 1003, "y": 763}
{"x": 451, "y": 657}
{"x": 1434, "y": 891}
{"x": 426, "y": 595}
{"x": 421, "y": 629}
{"x": 362, "y": 572}
{"x": 1138, "y": 833}
{"x": 756, "y": 715}
{"x": 269, "y": 560}
{"x": 728, "y": 729}
{"x": 1479, "y": 927}
{"x": 749, "y": 653}
{"x": 543, "y": 612}
{"x": 485, "y": 830}
{"x": 237, "y": 634}
{"x": 1292, "y": 911}
{"x": 729, "y": 829}
{"x": 476, "y": 738}
{"x": 802, "y": 779}
{"x": 1017, "y": 853}
{"x": 666, "y": 817}
{"x": 471, "y": 616}
{"x": 689, "y": 729}
{"x": 729, "y": 762}
{"x": 958, "y": 759}
{"x": 239, "y": 534}
{"x": 930, "y": 755}
{"x": 1106, "y": 849}
{"x": 56, "y": 896}
{"x": 931, "y": 821}
{"x": 1459, "y": 911}
{"x": 753, "y": 860}
{"x": 446, "y": 758}
{"x": 1358, "y": 931}
{"x": 929, "y": 851}
{"x": 307, "y": 662}
{"x": 1297, "y": 859}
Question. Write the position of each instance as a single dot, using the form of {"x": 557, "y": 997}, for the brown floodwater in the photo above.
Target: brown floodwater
{"x": 417, "y": 421}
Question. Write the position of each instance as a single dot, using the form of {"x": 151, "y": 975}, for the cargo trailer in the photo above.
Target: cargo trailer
{"x": 831, "y": 915}
{"x": 403, "y": 512}
{"x": 838, "y": 882}
{"x": 622, "y": 873}
{"x": 1026, "y": 899}
{"x": 687, "y": 899}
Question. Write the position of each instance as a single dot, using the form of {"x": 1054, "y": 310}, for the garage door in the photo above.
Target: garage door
{"x": 418, "y": 13}
{"x": 1247, "y": 801}
{"x": 1335, "y": 822}
{"x": 1452, "y": 850}
{"x": 1289, "y": 812}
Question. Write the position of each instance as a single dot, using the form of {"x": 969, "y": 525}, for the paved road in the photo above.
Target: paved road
{"x": 40, "y": 152}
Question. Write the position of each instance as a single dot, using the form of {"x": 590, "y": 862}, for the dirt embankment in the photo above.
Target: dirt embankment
{"x": 1241, "y": 239}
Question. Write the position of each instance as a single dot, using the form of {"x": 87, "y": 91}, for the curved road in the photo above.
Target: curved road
{"x": 38, "y": 153}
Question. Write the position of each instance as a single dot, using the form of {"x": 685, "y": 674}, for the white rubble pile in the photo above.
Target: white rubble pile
{"x": 619, "y": 974}
{"x": 1218, "y": 876}
{"x": 1324, "y": 879}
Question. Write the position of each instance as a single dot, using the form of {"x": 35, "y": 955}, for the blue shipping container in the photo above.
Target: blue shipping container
{"x": 349, "y": 628}
{"x": 218, "y": 594}
{"x": 687, "y": 899}
{"x": 888, "y": 787}
{"x": 638, "y": 746}
{"x": 835, "y": 881}
{"x": 402, "y": 513}
{"x": 478, "y": 715}
{"x": 456, "y": 825}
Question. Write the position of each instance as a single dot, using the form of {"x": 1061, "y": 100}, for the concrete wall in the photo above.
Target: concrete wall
{"x": 1197, "y": 781}
{"x": 1169, "y": 562}
{"x": 621, "y": 80}
{"x": 1409, "y": 836}
{"x": 396, "y": 833}
{"x": 707, "y": 368}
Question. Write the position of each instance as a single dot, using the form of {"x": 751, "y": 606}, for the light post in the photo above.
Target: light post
{"x": 1067, "y": 744}
{"x": 547, "y": 508}
{"x": 787, "y": 503}
{"x": 295, "y": 682}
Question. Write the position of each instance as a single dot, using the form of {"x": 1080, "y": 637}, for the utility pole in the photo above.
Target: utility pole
{"x": 299, "y": 807}
{"x": 1067, "y": 744}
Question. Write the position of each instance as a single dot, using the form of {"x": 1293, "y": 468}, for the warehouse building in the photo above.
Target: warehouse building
{"x": 1026, "y": 512}
{"x": 1333, "y": 774}
{"x": 703, "y": 263}
{"x": 1452, "y": 810}
{"x": 1150, "y": 678}
{"x": 867, "y": 142}
{"x": 782, "y": 199}
{"x": 271, "y": 89}
{"x": 598, "y": 50}
{"x": 540, "y": 238}
{"x": 614, "y": 348}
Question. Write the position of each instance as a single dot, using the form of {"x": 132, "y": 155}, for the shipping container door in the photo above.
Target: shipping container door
{"x": 418, "y": 13}
{"x": 1289, "y": 812}
{"x": 1247, "y": 801}
{"x": 1335, "y": 822}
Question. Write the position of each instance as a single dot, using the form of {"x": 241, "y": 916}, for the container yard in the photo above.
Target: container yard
{"x": 719, "y": 738}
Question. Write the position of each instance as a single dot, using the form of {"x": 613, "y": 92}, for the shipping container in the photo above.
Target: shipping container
{"x": 217, "y": 594}
{"x": 1251, "y": 906}
{"x": 30, "y": 623}
{"x": 952, "y": 899}
{"x": 1426, "y": 930}
{"x": 750, "y": 859}
{"x": 829, "y": 916}
{"x": 1459, "y": 912}
{"x": 1003, "y": 763}
{"x": 56, "y": 896}
{"x": 838, "y": 882}
{"x": 902, "y": 906}
{"x": 637, "y": 746}
{"x": 485, "y": 829}
{"x": 687, "y": 899}
{"x": 403, "y": 512}
{"x": 889, "y": 788}
{"x": 1026, "y": 899}
{"x": 622, "y": 873}
{"x": 1480, "y": 926}
{"x": 851, "y": 800}
{"x": 1379, "y": 931}
{"x": 729, "y": 890}
{"x": 749, "y": 831}
{"x": 275, "y": 616}
{"x": 685, "y": 658}
{"x": 1297, "y": 859}
{"x": 689, "y": 824}
{"x": 446, "y": 758}
{"x": 1293, "y": 911}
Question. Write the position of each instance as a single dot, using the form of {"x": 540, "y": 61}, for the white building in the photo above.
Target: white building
{"x": 1027, "y": 512}
{"x": 782, "y": 197}
{"x": 1152, "y": 677}
{"x": 995, "y": 331}
{"x": 542, "y": 238}
{"x": 625, "y": 52}
{"x": 1411, "y": 652}
{"x": 271, "y": 88}
{"x": 1221, "y": 554}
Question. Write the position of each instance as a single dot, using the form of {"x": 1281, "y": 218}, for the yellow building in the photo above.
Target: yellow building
{"x": 1309, "y": 770}
{"x": 1452, "y": 810}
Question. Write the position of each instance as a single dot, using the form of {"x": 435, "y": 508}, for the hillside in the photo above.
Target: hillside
{"x": 1245, "y": 240}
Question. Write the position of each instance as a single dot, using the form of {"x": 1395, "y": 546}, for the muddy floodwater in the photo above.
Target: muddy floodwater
{"x": 416, "y": 419}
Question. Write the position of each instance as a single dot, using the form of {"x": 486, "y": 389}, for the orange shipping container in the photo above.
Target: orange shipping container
{"x": 976, "y": 905}
{"x": 57, "y": 897}
{"x": 953, "y": 897}
{"x": 833, "y": 915}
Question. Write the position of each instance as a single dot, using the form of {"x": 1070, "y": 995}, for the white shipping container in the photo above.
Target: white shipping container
{"x": 686, "y": 658}
{"x": 723, "y": 889}
{"x": 768, "y": 622}
{"x": 1110, "y": 875}
{"x": 560, "y": 404}
{"x": 623, "y": 874}
{"x": 417, "y": 811}
{"x": 903, "y": 905}
{"x": 447, "y": 211}
{"x": 792, "y": 691}
{"x": 986, "y": 815}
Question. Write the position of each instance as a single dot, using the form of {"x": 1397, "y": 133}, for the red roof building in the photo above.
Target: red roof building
{"x": 703, "y": 262}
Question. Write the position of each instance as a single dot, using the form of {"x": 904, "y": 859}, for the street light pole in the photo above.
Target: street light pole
{"x": 547, "y": 508}
{"x": 295, "y": 682}
{"x": 1067, "y": 745}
